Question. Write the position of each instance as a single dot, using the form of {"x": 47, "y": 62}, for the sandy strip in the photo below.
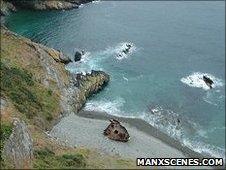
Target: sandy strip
{"x": 86, "y": 131}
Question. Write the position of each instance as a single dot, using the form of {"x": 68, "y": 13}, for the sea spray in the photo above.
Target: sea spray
{"x": 173, "y": 124}
{"x": 196, "y": 80}
{"x": 93, "y": 60}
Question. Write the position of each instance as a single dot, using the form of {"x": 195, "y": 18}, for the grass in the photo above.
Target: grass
{"x": 5, "y": 132}
{"x": 45, "y": 158}
{"x": 15, "y": 84}
{"x": 28, "y": 96}
{"x": 22, "y": 75}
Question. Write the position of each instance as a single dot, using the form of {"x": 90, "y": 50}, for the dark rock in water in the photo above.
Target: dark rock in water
{"x": 78, "y": 55}
{"x": 129, "y": 46}
{"x": 127, "y": 49}
{"x": 116, "y": 131}
{"x": 208, "y": 81}
{"x": 88, "y": 85}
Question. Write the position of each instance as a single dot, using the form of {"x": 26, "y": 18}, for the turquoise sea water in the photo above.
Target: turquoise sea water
{"x": 173, "y": 45}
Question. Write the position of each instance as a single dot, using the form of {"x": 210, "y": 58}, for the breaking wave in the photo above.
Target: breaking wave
{"x": 117, "y": 51}
{"x": 110, "y": 107}
{"x": 91, "y": 61}
{"x": 180, "y": 128}
{"x": 196, "y": 80}
{"x": 176, "y": 126}
{"x": 87, "y": 63}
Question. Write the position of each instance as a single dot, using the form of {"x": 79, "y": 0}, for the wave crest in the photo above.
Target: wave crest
{"x": 196, "y": 80}
{"x": 173, "y": 124}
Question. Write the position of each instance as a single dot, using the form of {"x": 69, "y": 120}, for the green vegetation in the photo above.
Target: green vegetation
{"x": 5, "y": 132}
{"x": 28, "y": 96}
{"x": 45, "y": 158}
{"x": 15, "y": 84}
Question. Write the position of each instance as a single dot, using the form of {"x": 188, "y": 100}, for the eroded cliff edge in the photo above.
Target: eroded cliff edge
{"x": 41, "y": 4}
{"x": 36, "y": 91}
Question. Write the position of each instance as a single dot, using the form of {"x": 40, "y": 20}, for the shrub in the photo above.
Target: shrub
{"x": 45, "y": 158}
{"x": 15, "y": 84}
{"x": 27, "y": 95}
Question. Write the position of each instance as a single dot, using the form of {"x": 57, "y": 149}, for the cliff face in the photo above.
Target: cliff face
{"x": 18, "y": 148}
{"x": 31, "y": 79}
{"x": 6, "y": 8}
{"x": 48, "y": 4}
{"x": 37, "y": 90}
{"x": 88, "y": 85}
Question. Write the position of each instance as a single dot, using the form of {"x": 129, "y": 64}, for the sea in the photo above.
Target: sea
{"x": 172, "y": 45}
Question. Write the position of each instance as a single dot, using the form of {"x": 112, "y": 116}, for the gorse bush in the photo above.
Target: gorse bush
{"x": 45, "y": 158}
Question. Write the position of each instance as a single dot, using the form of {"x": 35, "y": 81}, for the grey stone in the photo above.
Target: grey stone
{"x": 19, "y": 147}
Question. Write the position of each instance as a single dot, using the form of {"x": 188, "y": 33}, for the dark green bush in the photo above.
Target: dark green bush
{"x": 17, "y": 84}
{"x": 45, "y": 158}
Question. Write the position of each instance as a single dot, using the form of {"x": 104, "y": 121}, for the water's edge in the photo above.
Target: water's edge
{"x": 147, "y": 128}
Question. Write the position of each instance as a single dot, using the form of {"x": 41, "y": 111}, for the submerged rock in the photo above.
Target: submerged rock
{"x": 116, "y": 131}
{"x": 18, "y": 149}
{"x": 208, "y": 81}
{"x": 128, "y": 46}
{"x": 126, "y": 49}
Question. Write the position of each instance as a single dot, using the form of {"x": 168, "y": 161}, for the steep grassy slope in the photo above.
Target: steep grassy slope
{"x": 34, "y": 89}
{"x": 28, "y": 80}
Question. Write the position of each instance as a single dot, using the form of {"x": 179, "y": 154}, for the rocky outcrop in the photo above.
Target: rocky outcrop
{"x": 208, "y": 81}
{"x": 87, "y": 85}
{"x": 18, "y": 149}
{"x": 6, "y": 8}
{"x": 49, "y": 70}
{"x": 78, "y": 55}
{"x": 49, "y": 5}
{"x": 58, "y": 56}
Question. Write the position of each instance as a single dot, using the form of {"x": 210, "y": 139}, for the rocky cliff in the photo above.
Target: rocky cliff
{"x": 37, "y": 90}
{"x": 18, "y": 149}
{"x": 46, "y": 4}
{"x": 6, "y": 8}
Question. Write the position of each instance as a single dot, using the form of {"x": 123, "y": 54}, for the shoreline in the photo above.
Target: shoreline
{"x": 145, "y": 127}
{"x": 85, "y": 130}
{"x": 139, "y": 126}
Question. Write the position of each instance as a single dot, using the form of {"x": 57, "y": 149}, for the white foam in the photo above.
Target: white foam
{"x": 204, "y": 148}
{"x": 163, "y": 120}
{"x": 158, "y": 120}
{"x": 92, "y": 61}
{"x": 96, "y": 2}
{"x": 81, "y": 6}
{"x": 196, "y": 80}
{"x": 110, "y": 107}
{"x": 87, "y": 63}
{"x": 126, "y": 79}
{"x": 117, "y": 51}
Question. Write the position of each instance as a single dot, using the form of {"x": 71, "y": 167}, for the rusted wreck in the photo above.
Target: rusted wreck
{"x": 116, "y": 131}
